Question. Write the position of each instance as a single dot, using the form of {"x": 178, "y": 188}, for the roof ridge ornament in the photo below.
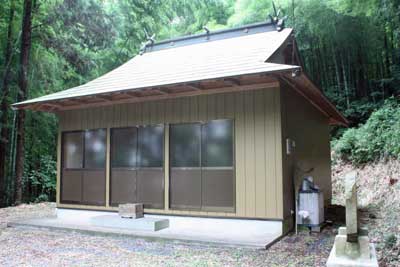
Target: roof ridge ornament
{"x": 207, "y": 32}
{"x": 150, "y": 40}
{"x": 278, "y": 22}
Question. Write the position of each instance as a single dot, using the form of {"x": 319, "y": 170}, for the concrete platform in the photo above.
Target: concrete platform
{"x": 231, "y": 232}
{"x": 140, "y": 224}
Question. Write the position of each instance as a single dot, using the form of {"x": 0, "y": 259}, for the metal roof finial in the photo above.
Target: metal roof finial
{"x": 207, "y": 32}
{"x": 149, "y": 42}
{"x": 278, "y": 22}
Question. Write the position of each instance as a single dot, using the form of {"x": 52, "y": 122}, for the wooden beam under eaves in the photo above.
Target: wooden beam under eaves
{"x": 219, "y": 90}
{"x": 70, "y": 102}
{"x": 104, "y": 97}
{"x": 232, "y": 81}
{"x": 160, "y": 92}
{"x": 193, "y": 86}
{"x": 133, "y": 93}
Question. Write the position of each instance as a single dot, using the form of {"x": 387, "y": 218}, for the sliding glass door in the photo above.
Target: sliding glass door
{"x": 185, "y": 169}
{"x": 124, "y": 152}
{"x": 150, "y": 176}
{"x": 83, "y": 167}
{"x": 201, "y": 166}
{"x": 137, "y": 173}
{"x": 217, "y": 166}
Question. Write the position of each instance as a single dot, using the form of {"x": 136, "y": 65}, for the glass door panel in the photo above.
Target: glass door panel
{"x": 185, "y": 170}
{"x": 72, "y": 164}
{"x": 150, "y": 173}
{"x": 124, "y": 154}
{"x": 217, "y": 166}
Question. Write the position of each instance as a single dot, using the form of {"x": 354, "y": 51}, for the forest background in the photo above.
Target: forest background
{"x": 350, "y": 48}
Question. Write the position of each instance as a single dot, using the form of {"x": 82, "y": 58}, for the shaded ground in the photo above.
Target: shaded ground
{"x": 40, "y": 247}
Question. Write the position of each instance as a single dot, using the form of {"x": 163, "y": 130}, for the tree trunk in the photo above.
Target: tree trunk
{"x": 5, "y": 132}
{"x": 345, "y": 83}
{"x": 23, "y": 86}
{"x": 387, "y": 54}
{"x": 337, "y": 71}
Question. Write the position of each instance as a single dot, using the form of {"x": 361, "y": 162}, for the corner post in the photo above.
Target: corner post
{"x": 166, "y": 167}
{"x": 58, "y": 185}
{"x": 108, "y": 168}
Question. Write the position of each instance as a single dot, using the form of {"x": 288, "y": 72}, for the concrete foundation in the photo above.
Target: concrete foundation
{"x": 237, "y": 232}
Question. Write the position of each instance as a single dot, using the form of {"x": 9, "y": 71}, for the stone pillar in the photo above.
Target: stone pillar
{"x": 352, "y": 247}
{"x": 351, "y": 207}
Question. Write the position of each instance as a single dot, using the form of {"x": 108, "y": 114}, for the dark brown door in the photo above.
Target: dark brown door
{"x": 201, "y": 166}
{"x": 72, "y": 164}
{"x": 217, "y": 166}
{"x": 94, "y": 174}
{"x": 185, "y": 169}
{"x": 124, "y": 153}
{"x": 83, "y": 167}
{"x": 150, "y": 173}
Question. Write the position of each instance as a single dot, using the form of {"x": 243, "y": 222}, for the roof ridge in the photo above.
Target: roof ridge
{"x": 210, "y": 36}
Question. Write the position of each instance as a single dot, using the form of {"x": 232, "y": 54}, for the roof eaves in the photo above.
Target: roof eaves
{"x": 282, "y": 69}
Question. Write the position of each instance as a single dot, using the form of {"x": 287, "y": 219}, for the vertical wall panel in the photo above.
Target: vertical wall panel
{"x": 250, "y": 155}
{"x": 259, "y": 153}
{"x": 240, "y": 155}
{"x": 220, "y": 105}
{"x": 256, "y": 116}
{"x": 269, "y": 151}
{"x": 194, "y": 109}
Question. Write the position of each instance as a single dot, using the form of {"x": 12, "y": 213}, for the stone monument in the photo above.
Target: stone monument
{"x": 352, "y": 247}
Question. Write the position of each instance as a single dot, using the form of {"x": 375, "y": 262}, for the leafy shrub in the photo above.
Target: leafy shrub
{"x": 43, "y": 179}
{"x": 379, "y": 137}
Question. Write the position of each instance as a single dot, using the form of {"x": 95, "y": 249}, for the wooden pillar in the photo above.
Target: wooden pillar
{"x": 108, "y": 167}
{"x": 58, "y": 185}
{"x": 166, "y": 167}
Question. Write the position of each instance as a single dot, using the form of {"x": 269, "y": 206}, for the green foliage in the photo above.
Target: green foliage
{"x": 379, "y": 137}
{"x": 42, "y": 180}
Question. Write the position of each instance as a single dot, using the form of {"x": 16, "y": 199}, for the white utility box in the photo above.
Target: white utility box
{"x": 310, "y": 209}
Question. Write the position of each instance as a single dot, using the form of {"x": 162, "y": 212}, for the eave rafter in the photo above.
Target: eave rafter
{"x": 232, "y": 81}
{"x": 230, "y": 84}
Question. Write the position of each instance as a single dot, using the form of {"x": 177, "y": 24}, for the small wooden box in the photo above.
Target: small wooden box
{"x": 131, "y": 210}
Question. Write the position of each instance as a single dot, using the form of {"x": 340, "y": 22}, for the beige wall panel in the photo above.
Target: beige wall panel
{"x": 279, "y": 143}
{"x": 260, "y": 161}
{"x": 220, "y": 99}
{"x": 202, "y": 107}
{"x": 257, "y": 129}
{"x": 270, "y": 154}
{"x": 250, "y": 155}
{"x": 212, "y": 107}
{"x": 194, "y": 109}
{"x": 240, "y": 155}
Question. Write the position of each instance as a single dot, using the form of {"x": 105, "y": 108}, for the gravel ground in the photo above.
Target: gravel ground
{"x": 41, "y": 247}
